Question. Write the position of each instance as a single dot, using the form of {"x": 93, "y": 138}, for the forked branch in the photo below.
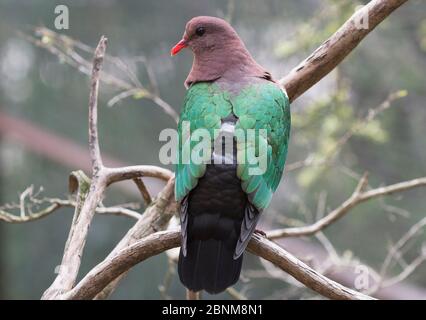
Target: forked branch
{"x": 105, "y": 272}
{"x": 359, "y": 196}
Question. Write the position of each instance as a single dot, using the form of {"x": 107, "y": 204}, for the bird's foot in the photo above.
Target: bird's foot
{"x": 260, "y": 232}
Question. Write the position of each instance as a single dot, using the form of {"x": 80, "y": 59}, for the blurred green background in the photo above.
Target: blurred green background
{"x": 47, "y": 94}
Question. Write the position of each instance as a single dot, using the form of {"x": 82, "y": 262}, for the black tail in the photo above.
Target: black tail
{"x": 209, "y": 265}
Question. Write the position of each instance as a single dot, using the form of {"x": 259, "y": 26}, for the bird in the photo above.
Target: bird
{"x": 221, "y": 197}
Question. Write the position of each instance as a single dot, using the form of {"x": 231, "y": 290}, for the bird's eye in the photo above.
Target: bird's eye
{"x": 200, "y": 31}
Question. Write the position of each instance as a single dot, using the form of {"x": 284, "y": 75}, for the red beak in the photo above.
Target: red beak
{"x": 179, "y": 46}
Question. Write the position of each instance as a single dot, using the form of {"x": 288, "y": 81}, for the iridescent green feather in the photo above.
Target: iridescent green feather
{"x": 204, "y": 107}
{"x": 263, "y": 106}
{"x": 257, "y": 106}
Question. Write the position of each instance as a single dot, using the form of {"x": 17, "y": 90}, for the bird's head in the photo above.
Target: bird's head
{"x": 206, "y": 34}
{"x": 218, "y": 52}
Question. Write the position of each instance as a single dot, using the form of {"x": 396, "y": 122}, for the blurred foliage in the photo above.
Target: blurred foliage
{"x": 325, "y": 21}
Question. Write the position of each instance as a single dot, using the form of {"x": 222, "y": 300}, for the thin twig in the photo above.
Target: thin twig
{"x": 95, "y": 153}
{"x": 335, "y": 148}
{"x": 22, "y": 197}
{"x": 55, "y": 204}
{"x": 408, "y": 270}
{"x": 125, "y": 94}
{"x": 150, "y": 72}
{"x": 393, "y": 253}
{"x": 358, "y": 196}
{"x": 63, "y": 47}
{"x": 155, "y": 218}
{"x": 143, "y": 190}
{"x": 132, "y": 172}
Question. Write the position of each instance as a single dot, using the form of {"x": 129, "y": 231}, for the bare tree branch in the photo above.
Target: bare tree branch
{"x": 394, "y": 252}
{"x": 155, "y": 218}
{"x": 12, "y": 218}
{"x": 123, "y": 95}
{"x": 109, "y": 269}
{"x": 414, "y": 230}
{"x": 312, "y": 160}
{"x": 55, "y": 204}
{"x": 408, "y": 270}
{"x": 337, "y": 47}
{"x": 105, "y": 272}
{"x": 133, "y": 172}
{"x": 88, "y": 200}
{"x": 359, "y": 196}
{"x": 95, "y": 152}
{"x": 270, "y": 251}
{"x": 143, "y": 190}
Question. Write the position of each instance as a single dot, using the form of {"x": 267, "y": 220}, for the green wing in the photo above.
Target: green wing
{"x": 257, "y": 106}
{"x": 204, "y": 107}
{"x": 262, "y": 106}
